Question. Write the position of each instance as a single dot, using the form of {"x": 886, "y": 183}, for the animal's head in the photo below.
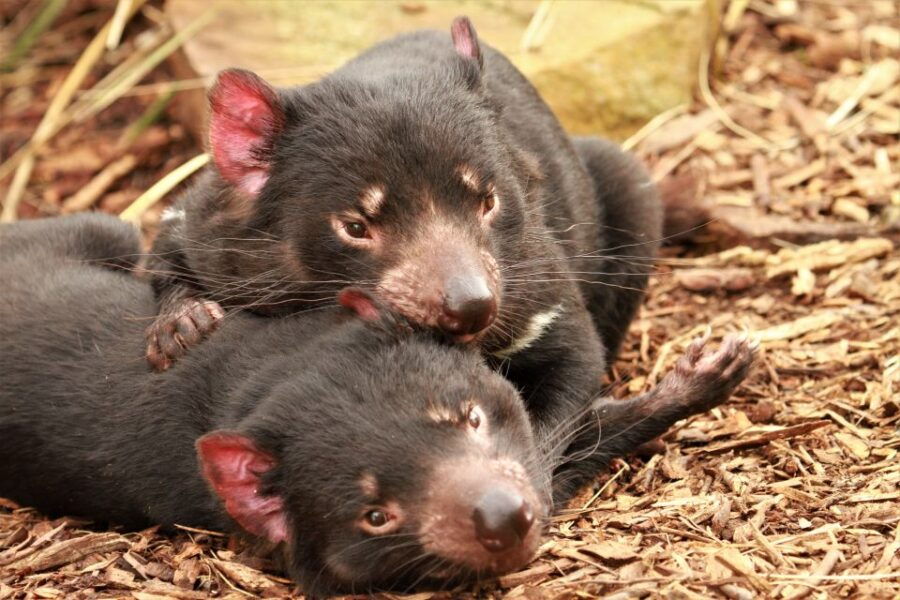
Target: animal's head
{"x": 398, "y": 180}
{"x": 389, "y": 461}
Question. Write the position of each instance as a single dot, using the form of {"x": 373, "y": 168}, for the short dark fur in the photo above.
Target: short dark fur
{"x": 87, "y": 429}
{"x": 578, "y": 221}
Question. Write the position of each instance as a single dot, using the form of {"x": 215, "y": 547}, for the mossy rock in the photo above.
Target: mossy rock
{"x": 605, "y": 66}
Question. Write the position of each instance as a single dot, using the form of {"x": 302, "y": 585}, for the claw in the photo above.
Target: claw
{"x": 177, "y": 330}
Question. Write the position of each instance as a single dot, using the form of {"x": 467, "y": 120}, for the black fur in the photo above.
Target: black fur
{"x": 578, "y": 222}
{"x": 87, "y": 429}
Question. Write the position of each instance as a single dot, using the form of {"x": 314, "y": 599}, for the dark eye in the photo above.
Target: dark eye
{"x": 487, "y": 204}
{"x": 376, "y": 518}
{"x": 356, "y": 229}
{"x": 474, "y": 417}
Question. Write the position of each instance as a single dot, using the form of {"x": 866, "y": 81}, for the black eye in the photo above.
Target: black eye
{"x": 474, "y": 417}
{"x": 355, "y": 229}
{"x": 376, "y": 518}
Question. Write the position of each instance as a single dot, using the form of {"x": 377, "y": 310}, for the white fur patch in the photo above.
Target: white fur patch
{"x": 469, "y": 178}
{"x": 372, "y": 199}
{"x": 171, "y": 213}
{"x": 536, "y": 327}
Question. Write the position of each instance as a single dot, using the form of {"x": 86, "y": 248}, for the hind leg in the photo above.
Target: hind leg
{"x": 700, "y": 380}
{"x": 630, "y": 227}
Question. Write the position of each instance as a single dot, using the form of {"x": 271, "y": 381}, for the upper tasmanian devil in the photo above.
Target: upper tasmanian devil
{"x": 430, "y": 171}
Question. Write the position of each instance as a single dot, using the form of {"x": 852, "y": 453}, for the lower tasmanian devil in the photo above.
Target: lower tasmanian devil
{"x": 376, "y": 455}
{"x": 429, "y": 171}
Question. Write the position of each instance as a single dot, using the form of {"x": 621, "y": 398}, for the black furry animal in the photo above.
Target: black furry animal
{"x": 429, "y": 171}
{"x": 337, "y": 434}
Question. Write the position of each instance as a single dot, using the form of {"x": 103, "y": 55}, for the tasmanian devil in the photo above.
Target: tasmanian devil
{"x": 429, "y": 171}
{"x": 378, "y": 455}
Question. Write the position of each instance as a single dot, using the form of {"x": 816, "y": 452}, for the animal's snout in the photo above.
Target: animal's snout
{"x": 482, "y": 514}
{"x": 469, "y": 306}
{"x": 502, "y": 519}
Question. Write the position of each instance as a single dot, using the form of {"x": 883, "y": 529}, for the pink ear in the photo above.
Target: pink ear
{"x": 465, "y": 39}
{"x": 359, "y": 302}
{"x": 245, "y": 116}
{"x": 232, "y": 464}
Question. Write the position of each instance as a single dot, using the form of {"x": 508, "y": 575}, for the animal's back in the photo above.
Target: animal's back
{"x": 86, "y": 428}
{"x": 71, "y": 345}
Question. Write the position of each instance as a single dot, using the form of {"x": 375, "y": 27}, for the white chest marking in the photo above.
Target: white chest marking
{"x": 535, "y": 329}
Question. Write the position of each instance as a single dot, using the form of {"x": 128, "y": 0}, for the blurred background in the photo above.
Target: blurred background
{"x": 748, "y": 112}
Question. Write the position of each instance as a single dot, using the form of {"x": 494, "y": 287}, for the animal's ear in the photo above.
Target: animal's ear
{"x": 465, "y": 40}
{"x": 232, "y": 464}
{"x": 245, "y": 117}
{"x": 360, "y": 302}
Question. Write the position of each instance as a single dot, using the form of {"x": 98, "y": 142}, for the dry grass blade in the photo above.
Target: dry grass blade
{"x": 52, "y": 121}
{"x": 538, "y": 26}
{"x": 119, "y": 20}
{"x": 654, "y": 124}
{"x": 149, "y": 116}
{"x": 765, "y": 438}
{"x": 162, "y": 187}
{"x": 115, "y": 89}
{"x": 27, "y": 38}
{"x": 724, "y": 117}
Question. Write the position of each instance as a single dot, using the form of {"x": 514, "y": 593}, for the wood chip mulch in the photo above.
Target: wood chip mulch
{"x": 791, "y": 490}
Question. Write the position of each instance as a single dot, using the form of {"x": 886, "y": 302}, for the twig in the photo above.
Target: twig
{"x": 86, "y": 196}
{"x": 765, "y": 438}
{"x": 824, "y": 568}
{"x": 723, "y": 116}
{"x": 652, "y": 125}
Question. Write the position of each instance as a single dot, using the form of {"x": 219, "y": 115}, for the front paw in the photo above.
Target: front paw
{"x": 704, "y": 378}
{"x": 183, "y": 325}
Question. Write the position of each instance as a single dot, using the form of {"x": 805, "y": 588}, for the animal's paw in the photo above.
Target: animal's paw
{"x": 704, "y": 378}
{"x": 175, "y": 331}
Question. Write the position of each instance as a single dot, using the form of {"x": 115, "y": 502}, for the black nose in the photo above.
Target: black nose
{"x": 469, "y": 306}
{"x": 502, "y": 519}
